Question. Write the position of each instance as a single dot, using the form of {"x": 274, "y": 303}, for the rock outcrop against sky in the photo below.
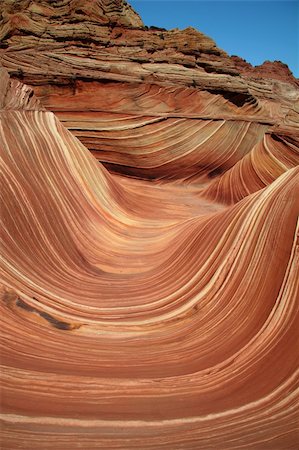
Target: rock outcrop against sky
{"x": 149, "y": 207}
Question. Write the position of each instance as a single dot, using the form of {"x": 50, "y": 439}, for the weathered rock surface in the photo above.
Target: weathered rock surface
{"x": 122, "y": 88}
{"x": 153, "y": 305}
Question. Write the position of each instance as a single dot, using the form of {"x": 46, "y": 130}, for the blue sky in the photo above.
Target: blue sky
{"x": 256, "y": 30}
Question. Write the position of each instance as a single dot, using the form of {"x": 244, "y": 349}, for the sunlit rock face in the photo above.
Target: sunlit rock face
{"x": 150, "y": 238}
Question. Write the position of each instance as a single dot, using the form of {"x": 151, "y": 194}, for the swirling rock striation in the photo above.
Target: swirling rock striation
{"x": 149, "y": 302}
{"x": 146, "y": 102}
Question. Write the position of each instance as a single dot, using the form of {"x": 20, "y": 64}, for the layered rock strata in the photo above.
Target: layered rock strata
{"x": 122, "y": 88}
{"x": 149, "y": 302}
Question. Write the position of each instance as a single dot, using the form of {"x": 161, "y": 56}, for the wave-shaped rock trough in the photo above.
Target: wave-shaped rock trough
{"x": 150, "y": 268}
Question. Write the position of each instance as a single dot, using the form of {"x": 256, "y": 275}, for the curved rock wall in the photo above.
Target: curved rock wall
{"x": 149, "y": 240}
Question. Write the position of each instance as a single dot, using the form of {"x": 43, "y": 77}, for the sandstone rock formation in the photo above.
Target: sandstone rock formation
{"x": 149, "y": 300}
